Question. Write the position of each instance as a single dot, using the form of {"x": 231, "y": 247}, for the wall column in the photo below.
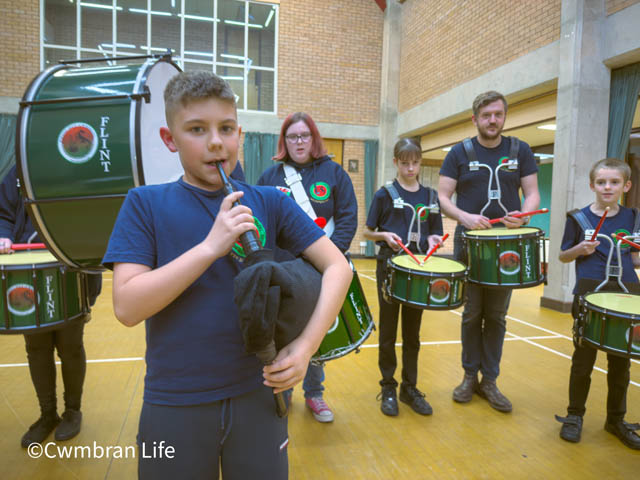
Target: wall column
{"x": 389, "y": 85}
{"x": 581, "y": 132}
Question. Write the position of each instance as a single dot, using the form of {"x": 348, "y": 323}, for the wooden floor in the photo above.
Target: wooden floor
{"x": 458, "y": 441}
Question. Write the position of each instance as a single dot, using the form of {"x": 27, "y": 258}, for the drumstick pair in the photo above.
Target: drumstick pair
{"x": 431, "y": 252}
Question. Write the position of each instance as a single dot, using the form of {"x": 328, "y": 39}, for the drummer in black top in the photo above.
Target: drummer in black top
{"x": 387, "y": 225}
{"x": 16, "y": 227}
{"x": 478, "y": 201}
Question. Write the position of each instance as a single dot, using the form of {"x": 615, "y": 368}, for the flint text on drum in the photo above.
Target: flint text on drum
{"x": 105, "y": 152}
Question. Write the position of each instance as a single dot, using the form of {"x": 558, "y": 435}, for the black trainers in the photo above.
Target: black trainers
{"x": 389, "y": 405}
{"x": 70, "y": 425}
{"x": 40, "y": 430}
{"x": 488, "y": 390}
{"x": 463, "y": 392}
{"x": 415, "y": 399}
{"x": 571, "y": 427}
{"x": 625, "y": 432}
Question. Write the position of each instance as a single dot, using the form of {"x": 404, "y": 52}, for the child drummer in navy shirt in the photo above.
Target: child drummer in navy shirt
{"x": 609, "y": 178}
{"x": 387, "y": 226}
{"x": 174, "y": 256}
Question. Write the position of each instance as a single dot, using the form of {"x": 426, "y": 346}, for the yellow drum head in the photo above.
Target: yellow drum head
{"x": 499, "y": 232}
{"x": 616, "y": 301}
{"x": 433, "y": 264}
{"x": 28, "y": 258}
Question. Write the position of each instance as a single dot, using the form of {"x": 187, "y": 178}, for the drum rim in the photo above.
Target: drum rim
{"x": 513, "y": 286}
{"x": 608, "y": 311}
{"x": 537, "y": 232}
{"x": 348, "y": 349}
{"x": 462, "y": 273}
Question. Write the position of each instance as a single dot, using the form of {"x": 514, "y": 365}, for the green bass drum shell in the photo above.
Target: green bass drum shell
{"x": 85, "y": 136}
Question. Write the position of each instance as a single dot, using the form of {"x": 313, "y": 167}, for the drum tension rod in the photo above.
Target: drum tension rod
{"x": 133, "y": 96}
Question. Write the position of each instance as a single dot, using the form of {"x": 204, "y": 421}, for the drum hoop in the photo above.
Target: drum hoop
{"x": 342, "y": 351}
{"x": 608, "y": 349}
{"x": 520, "y": 236}
{"x": 512, "y": 286}
{"x": 631, "y": 317}
{"x": 34, "y": 266}
{"x": 423, "y": 273}
{"x": 135, "y": 114}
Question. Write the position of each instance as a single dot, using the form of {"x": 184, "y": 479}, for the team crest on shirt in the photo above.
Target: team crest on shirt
{"x": 285, "y": 190}
{"x": 238, "y": 251}
{"x": 503, "y": 160}
{"x": 424, "y": 214}
{"x": 320, "y": 191}
{"x": 624, "y": 233}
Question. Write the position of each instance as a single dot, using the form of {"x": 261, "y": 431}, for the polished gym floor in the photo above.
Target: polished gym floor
{"x": 458, "y": 441}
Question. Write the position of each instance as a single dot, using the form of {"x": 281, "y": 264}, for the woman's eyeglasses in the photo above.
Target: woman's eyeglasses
{"x": 293, "y": 138}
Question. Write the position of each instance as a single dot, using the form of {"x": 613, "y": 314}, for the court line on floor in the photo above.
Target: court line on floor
{"x": 99, "y": 360}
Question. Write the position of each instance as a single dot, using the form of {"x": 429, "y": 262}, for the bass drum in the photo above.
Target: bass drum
{"x": 85, "y": 136}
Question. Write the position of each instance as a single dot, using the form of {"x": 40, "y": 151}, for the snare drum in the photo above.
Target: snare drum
{"x": 39, "y": 293}
{"x": 86, "y": 135}
{"x": 505, "y": 257}
{"x": 610, "y": 321}
{"x": 352, "y": 327}
{"x": 436, "y": 285}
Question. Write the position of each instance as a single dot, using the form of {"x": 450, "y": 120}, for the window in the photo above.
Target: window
{"x": 237, "y": 39}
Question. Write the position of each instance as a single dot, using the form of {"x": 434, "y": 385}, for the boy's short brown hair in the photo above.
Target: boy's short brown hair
{"x": 613, "y": 164}
{"x": 486, "y": 98}
{"x": 186, "y": 87}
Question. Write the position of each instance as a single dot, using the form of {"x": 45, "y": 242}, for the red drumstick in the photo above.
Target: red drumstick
{"x": 409, "y": 252}
{"x": 595, "y": 232}
{"x": 521, "y": 214}
{"x": 622, "y": 239}
{"x": 28, "y": 246}
{"x": 435, "y": 247}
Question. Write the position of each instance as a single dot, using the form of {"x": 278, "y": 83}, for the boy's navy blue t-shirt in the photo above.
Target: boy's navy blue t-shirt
{"x": 472, "y": 186}
{"x": 594, "y": 266}
{"x": 195, "y": 352}
{"x": 383, "y": 217}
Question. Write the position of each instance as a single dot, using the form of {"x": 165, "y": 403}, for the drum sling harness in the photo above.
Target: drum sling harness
{"x": 613, "y": 271}
{"x": 293, "y": 179}
{"x": 511, "y": 164}
{"x": 399, "y": 203}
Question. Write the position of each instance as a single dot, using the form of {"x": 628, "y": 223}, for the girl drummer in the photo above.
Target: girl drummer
{"x": 389, "y": 222}
{"x": 324, "y": 190}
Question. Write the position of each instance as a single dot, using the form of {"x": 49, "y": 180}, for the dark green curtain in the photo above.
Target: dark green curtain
{"x": 259, "y": 148}
{"x": 370, "y": 164}
{"x": 7, "y": 143}
{"x": 625, "y": 86}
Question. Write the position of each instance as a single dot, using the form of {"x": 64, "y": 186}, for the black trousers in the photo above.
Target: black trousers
{"x": 40, "y": 347}
{"x": 388, "y": 331}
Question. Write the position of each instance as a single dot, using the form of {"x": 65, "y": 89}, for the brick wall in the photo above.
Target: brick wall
{"x": 19, "y": 45}
{"x": 329, "y": 60}
{"x": 447, "y": 42}
{"x": 614, "y": 6}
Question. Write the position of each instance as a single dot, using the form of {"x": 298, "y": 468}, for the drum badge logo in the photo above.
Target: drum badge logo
{"x": 238, "y": 251}
{"x": 624, "y": 233}
{"x": 440, "y": 290}
{"x": 509, "y": 262}
{"x": 635, "y": 339}
{"x": 320, "y": 191}
{"x": 424, "y": 213}
{"x": 78, "y": 142}
{"x": 21, "y": 299}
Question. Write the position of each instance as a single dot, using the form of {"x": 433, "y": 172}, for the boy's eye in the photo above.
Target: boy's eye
{"x": 197, "y": 129}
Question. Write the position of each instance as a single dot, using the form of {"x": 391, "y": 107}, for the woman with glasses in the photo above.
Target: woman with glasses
{"x": 324, "y": 190}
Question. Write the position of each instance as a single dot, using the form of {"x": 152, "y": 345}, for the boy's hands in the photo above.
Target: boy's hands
{"x": 289, "y": 366}
{"x": 433, "y": 240}
{"x": 586, "y": 247}
{"x": 230, "y": 223}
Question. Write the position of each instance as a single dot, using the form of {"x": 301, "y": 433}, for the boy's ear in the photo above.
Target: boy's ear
{"x": 627, "y": 186}
{"x": 167, "y": 138}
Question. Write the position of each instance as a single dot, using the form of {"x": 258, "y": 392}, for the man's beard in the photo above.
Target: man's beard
{"x": 485, "y": 136}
